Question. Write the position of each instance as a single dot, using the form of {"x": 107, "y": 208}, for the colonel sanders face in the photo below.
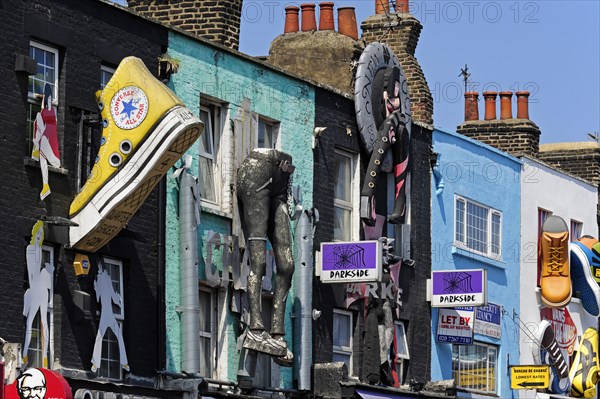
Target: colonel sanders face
{"x": 32, "y": 385}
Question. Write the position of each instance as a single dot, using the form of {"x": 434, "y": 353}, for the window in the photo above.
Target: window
{"x": 207, "y": 332}
{"x": 543, "y": 214}
{"x": 110, "y": 365}
{"x": 105, "y": 74}
{"x": 262, "y": 375}
{"x": 267, "y": 134}
{"x": 478, "y": 228}
{"x": 474, "y": 366}
{"x": 576, "y": 230}
{"x": 344, "y": 197}
{"x": 35, "y": 352}
{"x": 401, "y": 350}
{"x": 342, "y": 337}
{"x": 209, "y": 148}
{"x": 47, "y": 75}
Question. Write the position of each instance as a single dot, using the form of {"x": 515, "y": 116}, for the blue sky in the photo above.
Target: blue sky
{"x": 550, "y": 48}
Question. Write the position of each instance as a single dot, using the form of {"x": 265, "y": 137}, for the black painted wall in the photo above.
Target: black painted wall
{"x": 87, "y": 33}
{"x": 337, "y": 112}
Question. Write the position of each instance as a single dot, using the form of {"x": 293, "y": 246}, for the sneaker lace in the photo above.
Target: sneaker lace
{"x": 555, "y": 264}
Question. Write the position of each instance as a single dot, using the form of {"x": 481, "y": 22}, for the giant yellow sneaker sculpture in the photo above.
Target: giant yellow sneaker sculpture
{"x": 146, "y": 129}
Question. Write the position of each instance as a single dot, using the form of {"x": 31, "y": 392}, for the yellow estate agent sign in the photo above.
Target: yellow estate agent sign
{"x": 530, "y": 377}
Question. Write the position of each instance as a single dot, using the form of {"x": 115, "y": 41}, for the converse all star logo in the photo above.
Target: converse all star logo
{"x": 129, "y": 107}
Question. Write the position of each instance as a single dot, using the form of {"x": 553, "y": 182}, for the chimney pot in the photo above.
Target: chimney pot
{"x": 471, "y": 106}
{"x": 522, "y": 104}
{"x": 291, "y": 19}
{"x": 347, "y": 22}
{"x": 382, "y": 6}
{"x": 308, "y": 17}
{"x": 326, "y": 16}
{"x": 402, "y": 7}
{"x": 490, "y": 104}
{"x": 505, "y": 105}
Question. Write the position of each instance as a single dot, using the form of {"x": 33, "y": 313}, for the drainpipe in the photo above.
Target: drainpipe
{"x": 160, "y": 278}
{"x": 188, "y": 260}
{"x": 303, "y": 299}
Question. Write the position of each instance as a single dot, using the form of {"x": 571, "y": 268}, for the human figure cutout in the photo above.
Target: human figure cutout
{"x": 45, "y": 139}
{"x": 106, "y": 295}
{"x": 38, "y": 297}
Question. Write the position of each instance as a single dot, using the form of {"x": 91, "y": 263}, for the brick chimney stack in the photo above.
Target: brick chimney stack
{"x": 517, "y": 136}
{"x": 400, "y": 31}
{"x": 218, "y": 21}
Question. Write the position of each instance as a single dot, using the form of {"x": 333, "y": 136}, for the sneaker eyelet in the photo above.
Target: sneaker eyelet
{"x": 126, "y": 146}
{"x": 97, "y": 159}
{"x": 115, "y": 159}
{"x": 104, "y": 123}
{"x": 102, "y": 140}
{"x": 100, "y": 105}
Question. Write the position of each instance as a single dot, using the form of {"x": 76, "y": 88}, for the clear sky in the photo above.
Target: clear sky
{"x": 550, "y": 48}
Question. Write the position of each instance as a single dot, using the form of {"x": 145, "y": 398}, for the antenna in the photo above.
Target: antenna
{"x": 464, "y": 72}
{"x": 595, "y": 136}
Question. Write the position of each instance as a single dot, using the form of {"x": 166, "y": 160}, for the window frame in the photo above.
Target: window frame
{"x": 105, "y": 69}
{"x": 491, "y": 212}
{"x": 345, "y": 350}
{"x": 404, "y": 356}
{"x": 274, "y": 125}
{"x": 216, "y": 111}
{"x": 575, "y": 226}
{"x": 456, "y": 373}
{"x": 35, "y": 344}
{"x": 120, "y": 317}
{"x": 344, "y": 205}
{"x": 212, "y": 334}
{"x": 34, "y": 99}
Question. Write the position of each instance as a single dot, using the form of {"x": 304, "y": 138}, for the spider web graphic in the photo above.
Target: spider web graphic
{"x": 348, "y": 256}
{"x": 457, "y": 283}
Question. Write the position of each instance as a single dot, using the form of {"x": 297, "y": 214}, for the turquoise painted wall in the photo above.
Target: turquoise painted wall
{"x": 230, "y": 78}
{"x": 485, "y": 175}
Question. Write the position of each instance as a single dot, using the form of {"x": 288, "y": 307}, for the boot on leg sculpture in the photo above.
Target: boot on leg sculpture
{"x": 393, "y": 132}
{"x": 262, "y": 190}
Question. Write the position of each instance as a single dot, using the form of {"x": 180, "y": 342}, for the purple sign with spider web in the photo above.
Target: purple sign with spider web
{"x": 348, "y": 262}
{"x": 453, "y": 288}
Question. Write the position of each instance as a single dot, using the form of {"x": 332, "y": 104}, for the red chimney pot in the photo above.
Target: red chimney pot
{"x": 505, "y": 105}
{"x": 402, "y": 7}
{"x": 347, "y": 22}
{"x": 382, "y": 6}
{"x": 291, "y": 19}
{"x": 326, "y": 16}
{"x": 490, "y": 104}
{"x": 522, "y": 104}
{"x": 308, "y": 17}
{"x": 471, "y": 106}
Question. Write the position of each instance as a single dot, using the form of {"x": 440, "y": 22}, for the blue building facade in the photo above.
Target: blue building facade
{"x": 475, "y": 225}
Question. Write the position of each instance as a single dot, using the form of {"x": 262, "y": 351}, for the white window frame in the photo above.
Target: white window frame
{"x": 489, "y": 221}
{"x": 35, "y": 99}
{"x": 105, "y": 69}
{"x": 457, "y": 373}
{"x": 404, "y": 355}
{"x": 35, "y": 345}
{"x": 351, "y": 205}
{"x": 120, "y": 316}
{"x": 212, "y": 334}
{"x": 274, "y": 125}
{"x": 345, "y": 350}
{"x": 216, "y": 111}
{"x": 575, "y": 230}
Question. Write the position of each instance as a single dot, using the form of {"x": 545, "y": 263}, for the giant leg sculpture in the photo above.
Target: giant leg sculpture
{"x": 262, "y": 190}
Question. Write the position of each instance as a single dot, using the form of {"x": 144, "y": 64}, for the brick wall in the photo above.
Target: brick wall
{"x": 87, "y": 34}
{"x": 335, "y": 113}
{"x": 514, "y": 136}
{"x": 216, "y": 20}
{"x": 401, "y": 33}
{"x": 579, "y": 159}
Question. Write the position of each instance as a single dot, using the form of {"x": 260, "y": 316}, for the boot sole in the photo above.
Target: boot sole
{"x": 259, "y": 347}
{"x": 119, "y": 199}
